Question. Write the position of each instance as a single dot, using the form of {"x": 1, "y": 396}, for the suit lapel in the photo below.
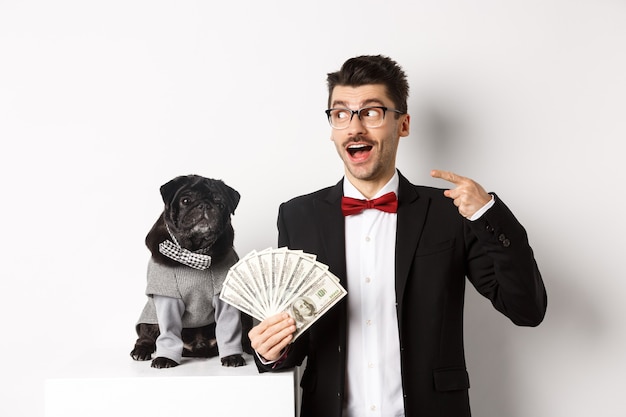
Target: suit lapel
{"x": 411, "y": 217}
{"x": 331, "y": 225}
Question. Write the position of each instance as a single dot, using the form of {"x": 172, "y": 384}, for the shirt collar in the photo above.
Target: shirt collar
{"x": 350, "y": 190}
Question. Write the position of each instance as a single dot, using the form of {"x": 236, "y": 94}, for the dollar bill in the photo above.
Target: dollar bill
{"x": 308, "y": 306}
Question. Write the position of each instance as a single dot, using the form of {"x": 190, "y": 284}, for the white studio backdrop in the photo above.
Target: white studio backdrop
{"x": 102, "y": 102}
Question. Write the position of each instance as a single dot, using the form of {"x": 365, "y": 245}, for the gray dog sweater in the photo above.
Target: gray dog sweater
{"x": 183, "y": 297}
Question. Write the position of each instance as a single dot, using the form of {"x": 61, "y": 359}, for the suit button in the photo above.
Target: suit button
{"x": 506, "y": 243}
{"x": 489, "y": 228}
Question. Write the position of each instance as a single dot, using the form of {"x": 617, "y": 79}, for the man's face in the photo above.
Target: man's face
{"x": 368, "y": 154}
{"x": 303, "y": 308}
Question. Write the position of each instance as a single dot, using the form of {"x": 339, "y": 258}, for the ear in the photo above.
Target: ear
{"x": 168, "y": 190}
{"x": 403, "y": 126}
{"x": 232, "y": 196}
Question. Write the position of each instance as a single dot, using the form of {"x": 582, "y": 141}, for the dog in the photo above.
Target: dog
{"x": 191, "y": 246}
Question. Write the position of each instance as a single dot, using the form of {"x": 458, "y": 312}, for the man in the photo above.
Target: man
{"x": 394, "y": 345}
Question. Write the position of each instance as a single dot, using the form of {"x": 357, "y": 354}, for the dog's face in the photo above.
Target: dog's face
{"x": 197, "y": 210}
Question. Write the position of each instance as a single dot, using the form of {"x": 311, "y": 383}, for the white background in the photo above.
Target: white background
{"x": 101, "y": 102}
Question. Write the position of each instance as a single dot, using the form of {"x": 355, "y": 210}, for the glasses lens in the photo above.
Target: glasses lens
{"x": 339, "y": 118}
{"x": 372, "y": 116}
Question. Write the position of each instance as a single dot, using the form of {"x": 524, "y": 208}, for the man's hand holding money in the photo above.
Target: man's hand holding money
{"x": 271, "y": 337}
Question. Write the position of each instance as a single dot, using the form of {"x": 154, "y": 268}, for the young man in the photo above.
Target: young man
{"x": 394, "y": 345}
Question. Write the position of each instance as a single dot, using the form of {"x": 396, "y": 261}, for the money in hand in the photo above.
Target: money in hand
{"x": 271, "y": 281}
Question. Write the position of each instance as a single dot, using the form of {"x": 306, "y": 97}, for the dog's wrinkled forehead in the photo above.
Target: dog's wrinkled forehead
{"x": 203, "y": 186}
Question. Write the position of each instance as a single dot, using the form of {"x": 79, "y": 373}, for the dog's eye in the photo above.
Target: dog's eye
{"x": 184, "y": 201}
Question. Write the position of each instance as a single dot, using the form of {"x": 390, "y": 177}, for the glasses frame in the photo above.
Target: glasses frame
{"x": 358, "y": 113}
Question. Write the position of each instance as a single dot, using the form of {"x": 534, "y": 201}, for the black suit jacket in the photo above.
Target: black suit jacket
{"x": 436, "y": 250}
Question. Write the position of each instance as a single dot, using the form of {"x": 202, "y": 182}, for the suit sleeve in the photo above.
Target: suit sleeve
{"x": 502, "y": 267}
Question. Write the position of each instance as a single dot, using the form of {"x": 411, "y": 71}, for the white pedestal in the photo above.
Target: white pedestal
{"x": 111, "y": 384}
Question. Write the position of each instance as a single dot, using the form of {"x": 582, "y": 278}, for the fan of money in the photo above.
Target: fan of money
{"x": 267, "y": 282}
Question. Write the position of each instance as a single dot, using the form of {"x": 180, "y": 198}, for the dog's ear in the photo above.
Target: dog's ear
{"x": 232, "y": 196}
{"x": 168, "y": 190}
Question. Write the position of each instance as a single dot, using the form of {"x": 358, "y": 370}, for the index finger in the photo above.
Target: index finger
{"x": 447, "y": 175}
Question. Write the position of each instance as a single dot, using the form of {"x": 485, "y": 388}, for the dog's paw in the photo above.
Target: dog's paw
{"x": 233, "y": 360}
{"x": 141, "y": 353}
{"x": 162, "y": 362}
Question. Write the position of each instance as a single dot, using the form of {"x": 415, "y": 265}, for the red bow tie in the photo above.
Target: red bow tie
{"x": 387, "y": 202}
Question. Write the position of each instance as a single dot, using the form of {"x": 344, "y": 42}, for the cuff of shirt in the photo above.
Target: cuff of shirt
{"x": 276, "y": 362}
{"x": 483, "y": 209}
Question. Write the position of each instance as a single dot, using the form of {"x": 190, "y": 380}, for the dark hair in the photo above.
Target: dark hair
{"x": 372, "y": 69}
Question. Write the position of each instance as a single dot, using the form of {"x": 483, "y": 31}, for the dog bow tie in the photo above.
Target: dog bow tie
{"x": 387, "y": 203}
{"x": 184, "y": 256}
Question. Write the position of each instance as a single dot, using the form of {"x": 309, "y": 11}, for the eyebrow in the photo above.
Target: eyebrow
{"x": 366, "y": 103}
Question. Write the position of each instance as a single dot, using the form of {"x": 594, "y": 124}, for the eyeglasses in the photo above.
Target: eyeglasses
{"x": 374, "y": 116}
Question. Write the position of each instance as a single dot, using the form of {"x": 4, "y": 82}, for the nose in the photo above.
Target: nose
{"x": 356, "y": 126}
{"x": 205, "y": 209}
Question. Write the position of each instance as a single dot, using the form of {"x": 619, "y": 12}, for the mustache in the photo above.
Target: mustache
{"x": 359, "y": 139}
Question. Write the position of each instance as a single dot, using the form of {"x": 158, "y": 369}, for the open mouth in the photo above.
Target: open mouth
{"x": 359, "y": 150}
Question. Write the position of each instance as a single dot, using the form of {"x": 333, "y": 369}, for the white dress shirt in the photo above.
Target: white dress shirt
{"x": 374, "y": 383}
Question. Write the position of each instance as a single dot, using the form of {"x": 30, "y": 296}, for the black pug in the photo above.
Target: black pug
{"x": 192, "y": 250}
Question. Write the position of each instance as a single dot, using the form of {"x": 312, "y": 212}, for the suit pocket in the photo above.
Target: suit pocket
{"x": 451, "y": 379}
{"x": 431, "y": 249}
